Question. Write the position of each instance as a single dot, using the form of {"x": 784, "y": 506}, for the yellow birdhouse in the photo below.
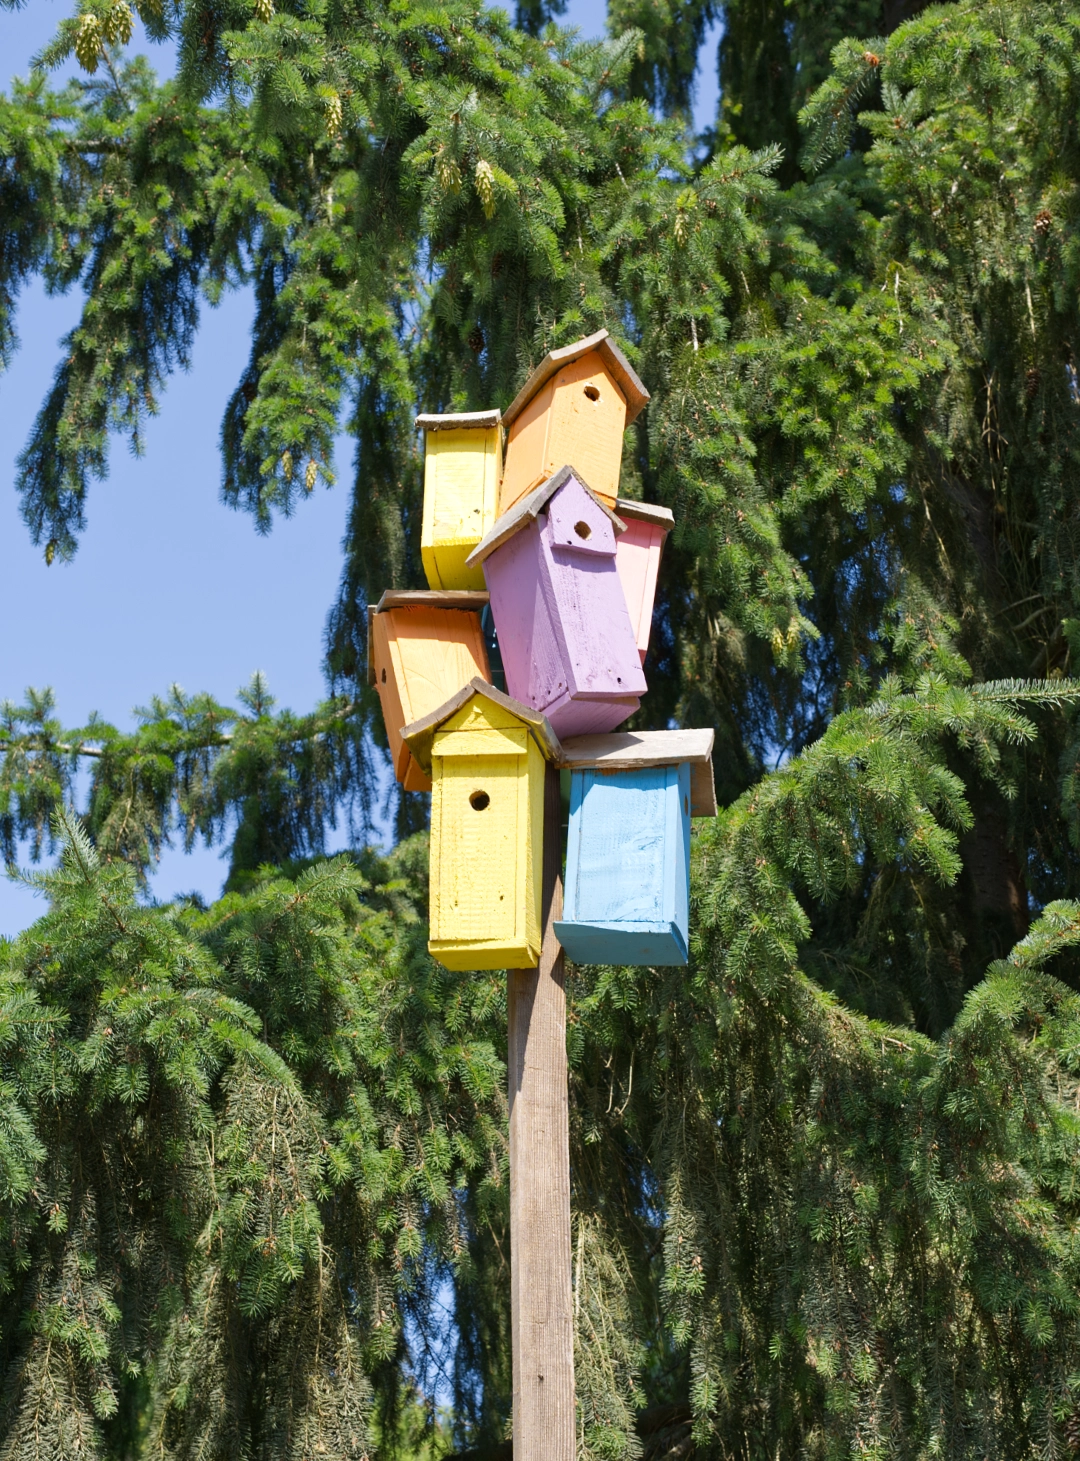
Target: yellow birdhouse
{"x": 422, "y": 648}
{"x": 462, "y": 467}
{"x": 572, "y": 412}
{"x": 486, "y": 756}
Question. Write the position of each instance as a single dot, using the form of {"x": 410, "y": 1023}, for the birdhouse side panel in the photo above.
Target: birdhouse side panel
{"x": 593, "y": 624}
{"x": 637, "y": 559}
{"x": 682, "y": 850}
{"x": 588, "y": 418}
{"x": 522, "y": 607}
{"x": 388, "y": 686}
{"x": 461, "y": 479}
{"x": 477, "y": 854}
{"x": 533, "y": 890}
{"x": 618, "y": 847}
{"x": 526, "y": 450}
{"x": 435, "y": 652}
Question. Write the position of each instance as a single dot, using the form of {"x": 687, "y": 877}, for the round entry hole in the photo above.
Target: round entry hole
{"x": 583, "y": 530}
{"x": 592, "y": 393}
{"x": 479, "y": 800}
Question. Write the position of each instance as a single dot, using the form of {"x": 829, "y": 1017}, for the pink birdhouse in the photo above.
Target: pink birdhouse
{"x": 637, "y": 557}
{"x": 567, "y": 642}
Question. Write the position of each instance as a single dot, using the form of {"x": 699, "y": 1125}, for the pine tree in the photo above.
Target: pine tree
{"x": 823, "y": 1179}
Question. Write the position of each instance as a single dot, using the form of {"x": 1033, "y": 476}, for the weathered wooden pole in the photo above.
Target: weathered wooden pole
{"x": 542, "y": 1322}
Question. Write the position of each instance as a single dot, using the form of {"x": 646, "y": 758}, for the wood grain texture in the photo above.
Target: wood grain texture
{"x": 451, "y": 598}
{"x": 542, "y": 1317}
{"x": 628, "y": 867}
{"x": 637, "y": 559}
{"x": 487, "y": 828}
{"x": 578, "y": 416}
{"x": 462, "y": 469}
{"x": 626, "y": 750}
{"x": 421, "y": 656}
{"x": 458, "y": 420}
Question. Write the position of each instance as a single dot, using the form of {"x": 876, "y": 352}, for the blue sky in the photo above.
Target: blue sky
{"x": 168, "y": 585}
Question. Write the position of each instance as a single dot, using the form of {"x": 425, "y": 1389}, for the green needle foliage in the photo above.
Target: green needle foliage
{"x": 825, "y": 1178}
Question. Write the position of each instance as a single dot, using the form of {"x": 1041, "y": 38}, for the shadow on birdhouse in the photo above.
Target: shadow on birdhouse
{"x": 462, "y": 467}
{"x": 637, "y": 557}
{"x": 627, "y": 890}
{"x": 486, "y": 756}
{"x": 422, "y": 648}
{"x": 573, "y": 408}
{"x": 567, "y": 643}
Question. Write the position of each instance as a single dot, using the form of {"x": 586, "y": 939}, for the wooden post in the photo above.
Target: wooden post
{"x": 542, "y": 1322}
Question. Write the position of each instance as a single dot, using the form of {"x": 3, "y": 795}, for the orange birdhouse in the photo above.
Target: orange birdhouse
{"x": 422, "y": 649}
{"x": 572, "y": 411}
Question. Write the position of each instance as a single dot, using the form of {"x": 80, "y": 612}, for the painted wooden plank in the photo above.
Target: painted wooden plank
{"x": 579, "y": 417}
{"x": 627, "y": 866}
{"x": 421, "y": 655}
{"x": 625, "y": 750}
{"x": 486, "y": 840}
{"x": 541, "y": 1289}
{"x": 637, "y": 557}
{"x": 462, "y": 469}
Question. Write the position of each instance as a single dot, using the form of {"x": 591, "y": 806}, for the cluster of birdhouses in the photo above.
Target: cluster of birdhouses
{"x": 539, "y": 555}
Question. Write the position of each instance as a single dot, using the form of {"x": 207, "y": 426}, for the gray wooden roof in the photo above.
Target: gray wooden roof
{"x": 459, "y": 421}
{"x": 631, "y": 750}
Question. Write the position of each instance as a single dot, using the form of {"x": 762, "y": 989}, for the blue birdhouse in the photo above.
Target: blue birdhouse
{"x": 627, "y": 889}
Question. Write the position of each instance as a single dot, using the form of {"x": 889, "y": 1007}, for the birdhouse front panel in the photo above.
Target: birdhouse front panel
{"x": 627, "y": 889}
{"x": 579, "y": 417}
{"x": 487, "y": 828}
{"x": 462, "y": 467}
{"x": 567, "y": 644}
{"x": 421, "y": 655}
{"x": 637, "y": 558}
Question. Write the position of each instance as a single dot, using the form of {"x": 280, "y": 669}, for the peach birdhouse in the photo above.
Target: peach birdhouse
{"x": 462, "y": 467}
{"x": 486, "y": 755}
{"x": 572, "y": 410}
{"x": 637, "y": 558}
{"x": 422, "y": 648}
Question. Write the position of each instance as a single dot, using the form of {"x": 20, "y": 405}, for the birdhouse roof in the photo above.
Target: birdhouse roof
{"x": 623, "y": 373}
{"x": 633, "y": 750}
{"x": 421, "y": 734}
{"x": 528, "y": 508}
{"x": 459, "y": 421}
{"x": 648, "y": 512}
{"x": 421, "y": 598}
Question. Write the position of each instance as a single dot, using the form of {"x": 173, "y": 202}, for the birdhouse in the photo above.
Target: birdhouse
{"x": 573, "y": 408}
{"x": 422, "y": 648}
{"x": 486, "y": 756}
{"x": 462, "y": 467}
{"x": 637, "y": 557}
{"x": 567, "y": 643}
{"x": 627, "y": 889}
